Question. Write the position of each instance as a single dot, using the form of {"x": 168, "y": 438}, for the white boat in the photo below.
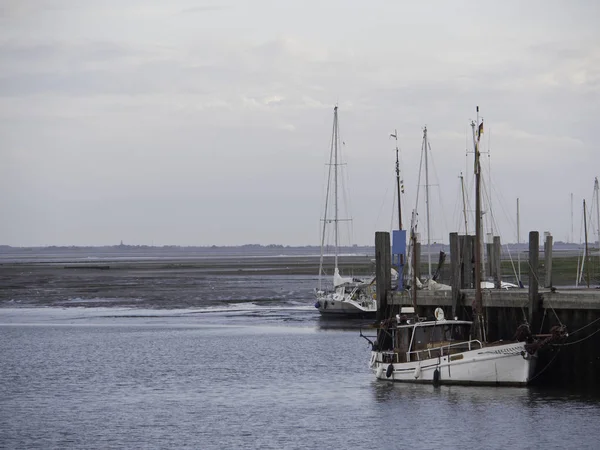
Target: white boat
{"x": 348, "y": 295}
{"x": 440, "y": 351}
{"x": 444, "y": 352}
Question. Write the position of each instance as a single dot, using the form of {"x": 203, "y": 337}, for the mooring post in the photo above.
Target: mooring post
{"x": 468, "y": 262}
{"x": 548, "y": 259}
{"x": 383, "y": 272}
{"x": 455, "y": 270}
{"x": 497, "y": 269}
{"x": 534, "y": 257}
{"x": 489, "y": 264}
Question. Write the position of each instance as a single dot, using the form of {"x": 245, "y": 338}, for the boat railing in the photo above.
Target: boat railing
{"x": 444, "y": 350}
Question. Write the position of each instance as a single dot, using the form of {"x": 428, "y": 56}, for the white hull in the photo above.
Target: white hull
{"x": 507, "y": 364}
{"x": 328, "y": 306}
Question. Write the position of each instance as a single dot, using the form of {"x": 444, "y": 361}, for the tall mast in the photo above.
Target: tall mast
{"x": 462, "y": 187}
{"x": 596, "y": 192}
{"x": 398, "y": 182}
{"x": 587, "y": 255}
{"x": 518, "y": 243}
{"x": 478, "y": 298}
{"x": 330, "y": 165}
{"x": 425, "y": 147}
{"x": 572, "y": 234}
{"x": 335, "y": 176}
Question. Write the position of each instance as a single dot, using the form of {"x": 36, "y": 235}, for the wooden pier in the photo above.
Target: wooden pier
{"x": 573, "y": 363}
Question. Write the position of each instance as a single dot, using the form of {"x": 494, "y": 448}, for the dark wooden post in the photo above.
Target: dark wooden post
{"x": 497, "y": 270}
{"x": 534, "y": 257}
{"x": 468, "y": 262}
{"x": 383, "y": 272}
{"x": 417, "y": 267}
{"x": 548, "y": 260}
{"x": 455, "y": 268}
{"x": 489, "y": 264}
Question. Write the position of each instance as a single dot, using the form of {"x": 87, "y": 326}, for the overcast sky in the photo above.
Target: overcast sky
{"x": 200, "y": 123}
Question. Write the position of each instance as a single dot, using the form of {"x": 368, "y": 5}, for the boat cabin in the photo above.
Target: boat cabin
{"x": 417, "y": 341}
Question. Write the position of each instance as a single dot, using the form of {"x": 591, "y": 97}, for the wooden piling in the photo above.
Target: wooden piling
{"x": 417, "y": 267}
{"x": 383, "y": 272}
{"x": 489, "y": 263}
{"x": 534, "y": 303}
{"x": 455, "y": 270}
{"x": 548, "y": 260}
{"x": 496, "y": 266}
{"x": 469, "y": 262}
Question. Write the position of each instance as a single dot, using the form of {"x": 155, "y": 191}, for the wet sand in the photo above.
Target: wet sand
{"x": 166, "y": 282}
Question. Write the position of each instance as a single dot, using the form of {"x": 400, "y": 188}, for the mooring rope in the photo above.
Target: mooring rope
{"x": 577, "y": 342}
{"x": 585, "y": 326}
{"x": 547, "y": 365}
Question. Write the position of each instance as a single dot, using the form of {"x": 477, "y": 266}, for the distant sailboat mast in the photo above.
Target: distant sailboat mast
{"x": 335, "y": 172}
{"x": 587, "y": 254}
{"x": 572, "y": 233}
{"x": 425, "y": 149}
{"x": 596, "y": 192}
{"x": 331, "y": 164}
{"x": 518, "y": 243}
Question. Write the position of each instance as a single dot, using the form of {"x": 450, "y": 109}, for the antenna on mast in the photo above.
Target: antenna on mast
{"x": 398, "y": 181}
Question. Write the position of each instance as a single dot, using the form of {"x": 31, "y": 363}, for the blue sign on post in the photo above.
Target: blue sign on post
{"x": 399, "y": 255}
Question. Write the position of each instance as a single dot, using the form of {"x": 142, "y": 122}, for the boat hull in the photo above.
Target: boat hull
{"x": 328, "y": 307}
{"x": 499, "y": 365}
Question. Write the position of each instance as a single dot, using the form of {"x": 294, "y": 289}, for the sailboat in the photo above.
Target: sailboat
{"x": 348, "y": 295}
{"x": 414, "y": 349}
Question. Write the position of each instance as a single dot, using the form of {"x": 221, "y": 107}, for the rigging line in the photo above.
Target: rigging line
{"x": 544, "y": 369}
{"x": 509, "y": 216}
{"x": 419, "y": 180}
{"x": 577, "y": 342}
{"x": 345, "y": 183}
{"x": 444, "y": 217}
{"x": 543, "y": 319}
{"x": 545, "y": 297}
{"x": 580, "y": 274}
{"x": 585, "y": 326}
{"x": 327, "y": 193}
{"x": 497, "y": 227}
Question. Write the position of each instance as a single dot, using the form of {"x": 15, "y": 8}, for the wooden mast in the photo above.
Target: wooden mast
{"x": 395, "y": 136}
{"x": 478, "y": 313}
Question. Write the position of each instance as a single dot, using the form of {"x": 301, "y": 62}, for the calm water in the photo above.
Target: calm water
{"x": 244, "y": 374}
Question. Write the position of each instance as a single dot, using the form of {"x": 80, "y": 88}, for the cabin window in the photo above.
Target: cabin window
{"x": 403, "y": 336}
{"x": 460, "y": 332}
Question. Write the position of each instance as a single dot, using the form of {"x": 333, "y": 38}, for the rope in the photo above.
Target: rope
{"x": 577, "y": 342}
{"x": 585, "y": 326}
{"x": 547, "y": 365}
{"x": 543, "y": 318}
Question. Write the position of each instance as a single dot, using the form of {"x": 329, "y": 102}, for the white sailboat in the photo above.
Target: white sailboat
{"x": 348, "y": 295}
{"x": 451, "y": 351}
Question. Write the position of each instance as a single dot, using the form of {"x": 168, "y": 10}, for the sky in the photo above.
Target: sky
{"x": 209, "y": 122}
